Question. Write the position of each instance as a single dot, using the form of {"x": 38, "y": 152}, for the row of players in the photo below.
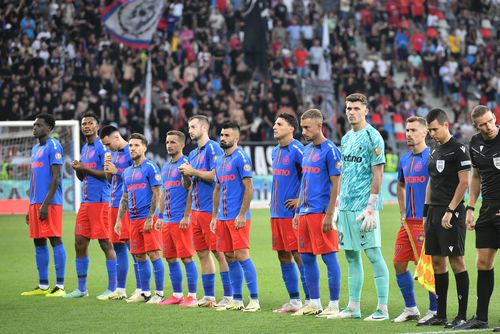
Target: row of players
{"x": 204, "y": 200}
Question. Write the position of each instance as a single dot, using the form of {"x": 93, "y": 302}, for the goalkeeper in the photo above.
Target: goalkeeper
{"x": 358, "y": 221}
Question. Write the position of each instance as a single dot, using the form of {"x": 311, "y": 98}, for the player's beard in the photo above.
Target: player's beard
{"x": 225, "y": 145}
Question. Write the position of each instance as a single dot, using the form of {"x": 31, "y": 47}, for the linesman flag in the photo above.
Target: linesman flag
{"x": 133, "y": 22}
{"x": 425, "y": 271}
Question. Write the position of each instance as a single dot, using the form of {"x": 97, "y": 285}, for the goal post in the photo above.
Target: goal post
{"x": 16, "y": 142}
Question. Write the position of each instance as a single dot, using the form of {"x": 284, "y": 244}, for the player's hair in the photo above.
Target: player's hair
{"x": 231, "y": 125}
{"x": 179, "y": 135}
{"x": 478, "y": 111}
{"x": 49, "y": 119}
{"x": 290, "y": 119}
{"x": 107, "y": 130}
{"x": 357, "y": 97}
{"x": 437, "y": 114}
{"x": 139, "y": 136}
{"x": 417, "y": 119}
{"x": 312, "y": 114}
{"x": 201, "y": 118}
{"x": 90, "y": 114}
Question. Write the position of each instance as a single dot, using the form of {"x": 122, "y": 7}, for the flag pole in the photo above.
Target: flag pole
{"x": 148, "y": 107}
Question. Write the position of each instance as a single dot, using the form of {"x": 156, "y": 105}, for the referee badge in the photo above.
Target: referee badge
{"x": 58, "y": 156}
{"x": 377, "y": 151}
{"x": 440, "y": 165}
{"x": 247, "y": 168}
{"x": 496, "y": 162}
{"x": 158, "y": 177}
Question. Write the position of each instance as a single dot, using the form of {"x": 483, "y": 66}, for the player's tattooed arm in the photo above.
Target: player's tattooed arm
{"x": 154, "y": 201}
{"x": 186, "y": 181}
{"x": 123, "y": 206}
{"x": 54, "y": 183}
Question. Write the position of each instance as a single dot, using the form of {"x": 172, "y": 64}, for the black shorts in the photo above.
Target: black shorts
{"x": 440, "y": 241}
{"x": 488, "y": 226}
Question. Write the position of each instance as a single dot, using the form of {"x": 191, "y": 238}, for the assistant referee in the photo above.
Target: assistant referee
{"x": 444, "y": 215}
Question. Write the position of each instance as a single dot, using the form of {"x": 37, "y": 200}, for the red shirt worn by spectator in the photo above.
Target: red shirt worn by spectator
{"x": 417, "y": 41}
{"x": 404, "y": 7}
{"x": 301, "y": 57}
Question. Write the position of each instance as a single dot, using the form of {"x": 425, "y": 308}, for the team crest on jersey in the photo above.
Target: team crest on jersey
{"x": 440, "y": 165}
{"x": 158, "y": 176}
{"x": 247, "y": 168}
{"x": 40, "y": 153}
{"x": 496, "y": 162}
{"x": 228, "y": 167}
{"x": 122, "y": 159}
{"x": 138, "y": 176}
{"x": 418, "y": 167}
{"x": 286, "y": 160}
{"x": 377, "y": 151}
{"x": 58, "y": 156}
{"x": 91, "y": 154}
{"x": 175, "y": 173}
{"x": 315, "y": 157}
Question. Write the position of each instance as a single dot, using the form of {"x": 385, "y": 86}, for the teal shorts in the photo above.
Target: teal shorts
{"x": 350, "y": 235}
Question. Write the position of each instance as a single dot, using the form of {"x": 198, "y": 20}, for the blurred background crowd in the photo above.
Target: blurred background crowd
{"x": 406, "y": 56}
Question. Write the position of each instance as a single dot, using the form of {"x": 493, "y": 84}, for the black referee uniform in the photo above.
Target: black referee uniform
{"x": 444, "y": 164}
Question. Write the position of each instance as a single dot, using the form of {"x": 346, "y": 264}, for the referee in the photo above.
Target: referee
{"x": 485, "y": 156}
{"x": 448, "y": 165}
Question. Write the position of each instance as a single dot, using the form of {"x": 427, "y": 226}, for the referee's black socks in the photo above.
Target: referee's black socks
{"x": 462, "y": 280}
{"x": 441, "y": 281}
{"x": 485, "y": 284}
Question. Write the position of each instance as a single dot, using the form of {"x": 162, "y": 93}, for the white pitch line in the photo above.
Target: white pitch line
{"x": 453, "y": 331}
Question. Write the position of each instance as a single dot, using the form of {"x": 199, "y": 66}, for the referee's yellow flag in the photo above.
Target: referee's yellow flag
{"x": 425, "y": 272}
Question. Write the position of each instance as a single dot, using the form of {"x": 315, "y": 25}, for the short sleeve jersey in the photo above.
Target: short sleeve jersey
{"x": 121, "y": 159}
{"x": 361, "y": 150}
{"x": 94, "y": 190}
{"x": 138, "y": 182}
{"x": 287, "y": 172}
{"x": 412, "y": 171}
{"x": 229, "y": 173}
{"x": 175, "y": 194}
{"x": 318, "y": 164}
{"x": 444, "y": 164}
{"x": 204, "y": 159}
{"x": 42, "y": 158}
{"x": 485, "y": 156}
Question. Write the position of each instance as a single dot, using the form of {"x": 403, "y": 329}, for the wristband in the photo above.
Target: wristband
{"x": 160, "y": 216}
{"x": 426, "y": 210}
{"x": 448, "y": 209}
{"x": 469, "y": 208}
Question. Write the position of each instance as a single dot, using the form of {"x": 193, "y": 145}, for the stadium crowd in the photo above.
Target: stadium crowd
{"x": 56, "y": 57}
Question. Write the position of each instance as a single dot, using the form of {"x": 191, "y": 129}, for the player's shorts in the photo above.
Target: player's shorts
{"x": 229, "y": 238}
{"x": 90, "y": 221}
{"x": 50, "y": 227}
{"x": 443, "y": 242}
{"x": 311, "y": 236}
{"x": 350, "y": 235}
{"x": 125, "y": 232}
{"x": 403, "y": 250}
{"x": 177, "y": 243}
{"x": 142, "y": 242}
{"x": 283, "y": 234}
{"x": 203, "y": 238}
{"x": 488, "y": 226}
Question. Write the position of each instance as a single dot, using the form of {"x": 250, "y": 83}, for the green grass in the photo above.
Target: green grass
{"x": 38, "y": 314}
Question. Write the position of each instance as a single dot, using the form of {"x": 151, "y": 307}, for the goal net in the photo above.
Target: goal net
{"x": 16, "y": 142}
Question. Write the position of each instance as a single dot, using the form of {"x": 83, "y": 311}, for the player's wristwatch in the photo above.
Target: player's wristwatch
{"x": 468, "y": 207}
{"x": 448, "y": 209}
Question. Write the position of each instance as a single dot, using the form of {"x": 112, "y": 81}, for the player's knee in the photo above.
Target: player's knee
{"x": 242, "y": 254}
{"x": 203, "y": 255}
{"x": 230, "y": 257}
{"x": 154, "y": 255}
{"x": 187, "y": 260}
{"x": 297, "y": 258}
{"x": 400, "y": 267}
{"x": 171, "y": 260}
{"x": 55, "y": 241}
{"x": 40, "y": 242}
{"x": 140, "y": 257}
{"x": 484, "y": 263}
{"x": 106, "y": 246}
{"x": 221, "y": 258}
{"x": 373, "y": 254}
{"x": 457, "y": 264}
{"x": 284, "y": 257}
{"x": 353, "y": 256}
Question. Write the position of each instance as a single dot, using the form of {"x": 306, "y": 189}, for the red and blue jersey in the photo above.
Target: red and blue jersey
{"x": 121, "y": 159}
{"x": 94, "y": 190}
{"x": 138, "y": 182}
{"x": 287, "y": 172}
{"x": 229, "y": 173}
{"x": 412, "y": 171}
{"x": 42, "y": 158}
{"x": 175, "y": 195}
{"x": 318, "y": 164}
{"x": 204, "y": 159}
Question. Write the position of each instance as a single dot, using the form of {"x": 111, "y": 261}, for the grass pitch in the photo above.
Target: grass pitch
{"x": 88, "y": 315}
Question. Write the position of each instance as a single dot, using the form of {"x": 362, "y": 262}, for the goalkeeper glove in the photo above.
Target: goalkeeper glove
{"x": 368, "y": 216}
